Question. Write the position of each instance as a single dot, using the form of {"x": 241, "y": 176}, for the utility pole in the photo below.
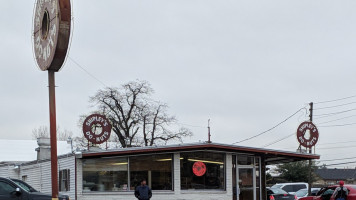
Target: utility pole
{"x": 209, "y": 135}
{"x": 310, "y": 179}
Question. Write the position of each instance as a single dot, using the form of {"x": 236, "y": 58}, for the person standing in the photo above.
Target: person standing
{"x": 341, "y": 192}
{"x": 143, "y": 192}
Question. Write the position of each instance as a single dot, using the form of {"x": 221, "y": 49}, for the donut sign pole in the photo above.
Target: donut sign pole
{"x": 51, "y": 33}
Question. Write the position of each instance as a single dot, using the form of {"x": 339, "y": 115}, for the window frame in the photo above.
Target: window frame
{"x": 204, "y": 151}
{"x": 64, "y": 181}
{"x": 171, "y": 154}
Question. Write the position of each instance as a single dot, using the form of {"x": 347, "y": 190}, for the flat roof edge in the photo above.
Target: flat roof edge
{"x": 198, "y": 146}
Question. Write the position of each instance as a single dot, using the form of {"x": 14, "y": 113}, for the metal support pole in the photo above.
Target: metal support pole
{"x": 263, "y": 177}
{"x": 209, "y": 135}
{"x": 53, "y": 133}
{"x": 310, "y": 151}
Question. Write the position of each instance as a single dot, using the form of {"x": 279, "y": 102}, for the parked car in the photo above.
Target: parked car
{"x": 19, "y": 190}
{"x": 304, "y": 192}
{"x": 291, "y": 188}
{"x": 279, "y": 194}
{"x": 326, "y": 193}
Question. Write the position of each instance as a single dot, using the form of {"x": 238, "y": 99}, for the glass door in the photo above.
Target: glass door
{"x": 246, "y": 183}
{"x": 247, "y": 178}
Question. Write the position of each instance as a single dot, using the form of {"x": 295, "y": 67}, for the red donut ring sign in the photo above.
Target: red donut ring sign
{"x": 313, "y": 137}
{"x": 96, "y": 128}
{"x": 199, "y": 168}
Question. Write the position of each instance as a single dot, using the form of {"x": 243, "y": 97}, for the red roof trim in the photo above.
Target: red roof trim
{"x": 199, "y": 147}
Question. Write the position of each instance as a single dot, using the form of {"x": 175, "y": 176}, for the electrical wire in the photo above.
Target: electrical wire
{"x": 78, "y": 65}
{"x": 340, "y": 105}
{"x": 337, "y": 164}
{"x": 330, "y": 143}
{"x": 336, "y": 147}
{"x": 337, "y": 143}
{"x": 338, "y": 125}
{"x": 321, "y": 102}
{"x": 335, "y": 113}
{"x": 196, "y": 126}
{"x": 336, "y": 159}
{"x": 336, "y": 119}
{"x": 279, "y": 140}
{"x": 270, "y": 128}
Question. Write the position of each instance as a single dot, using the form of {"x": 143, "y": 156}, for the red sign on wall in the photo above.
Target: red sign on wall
{"x": 199, "y": 168}
{"x": 313, "y": 134}
{"x": 96, "y": 128}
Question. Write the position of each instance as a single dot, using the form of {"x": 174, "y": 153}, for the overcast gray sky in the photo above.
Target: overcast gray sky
{"x": 246, "y": 65}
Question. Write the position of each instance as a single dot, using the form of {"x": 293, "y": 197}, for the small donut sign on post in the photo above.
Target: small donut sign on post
{"x": 310, "y": 141}
{"x": 96, "y": 129}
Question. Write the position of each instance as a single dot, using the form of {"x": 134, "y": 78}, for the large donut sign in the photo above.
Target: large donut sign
{"x": 313, "y": 137}
{"x": 199, "y": 168}
{"x": 96, "y": 128}
{"x": 51, "y": 33}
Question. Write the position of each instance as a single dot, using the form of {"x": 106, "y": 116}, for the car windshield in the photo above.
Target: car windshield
{"x": 277, "y": 186}
{"x": 278, "y": 191}
{"x": 301, "y": 193}
{"x": 24, "y": 185}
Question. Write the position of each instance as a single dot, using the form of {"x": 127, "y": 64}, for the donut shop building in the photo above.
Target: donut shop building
{"x": 185, "y": 171}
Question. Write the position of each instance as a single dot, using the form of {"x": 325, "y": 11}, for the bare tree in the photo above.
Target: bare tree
{"x": 43, "y": 131}
{"x": 155, "y": 122}
{"x": 136, "y": 119}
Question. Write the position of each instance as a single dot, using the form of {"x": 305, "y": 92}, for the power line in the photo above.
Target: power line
{"x": 321, "y": 102}
{"x": 336, "y": 159}
{"x": 337, "y": 119}
{"x": 338, "y": 164}
{"x": 340, "y": 105}
{"x": 196, "y": 126}
{"x": 336, "y": 147}
{"x": 270, "y": 128}
{"x": 324, "y": 115}
{"x": 322, "y": 148}
{"x": 338, "y": 125}
{"x": 86, "y": 71}
{"x": 335, "y": 113}
{"x": 279, "y": 140}
{"x": 337, "y": 143}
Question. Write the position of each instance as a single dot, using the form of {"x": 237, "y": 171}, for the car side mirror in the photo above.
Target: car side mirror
{"x": 17, "y": 192}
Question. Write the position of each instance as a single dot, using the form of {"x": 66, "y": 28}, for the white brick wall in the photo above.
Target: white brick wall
{"x": 176, "y": 173}
{"x": 228, "y": 176}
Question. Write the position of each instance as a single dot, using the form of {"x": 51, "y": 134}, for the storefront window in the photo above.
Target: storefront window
{"x": 105, "y": 174}
{"x": 156, "y": 169}
{"x": 202, "y": 170}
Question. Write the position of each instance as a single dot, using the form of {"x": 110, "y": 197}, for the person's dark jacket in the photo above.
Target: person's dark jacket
{"x": 143, "y": 192}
